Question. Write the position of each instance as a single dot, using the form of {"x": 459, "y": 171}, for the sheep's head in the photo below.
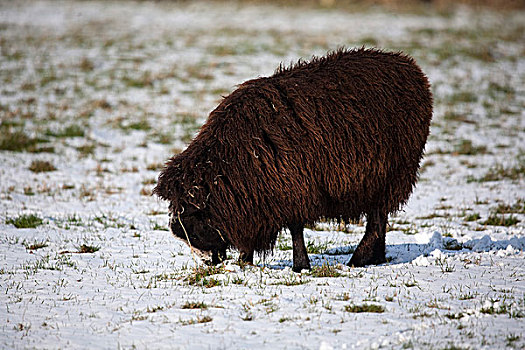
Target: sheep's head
{"x": 189, "y": 210}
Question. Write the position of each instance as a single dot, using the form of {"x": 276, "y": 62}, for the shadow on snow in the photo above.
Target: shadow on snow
{"x": 408, "y": 252}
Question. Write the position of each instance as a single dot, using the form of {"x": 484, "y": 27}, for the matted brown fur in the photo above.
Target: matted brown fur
{"x": 338, "y": 137}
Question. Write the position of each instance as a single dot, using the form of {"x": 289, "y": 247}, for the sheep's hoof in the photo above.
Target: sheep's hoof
{"x": 217, "y": 256}
{"x": 361, "y": 261}
{"x": 299, "y": 268}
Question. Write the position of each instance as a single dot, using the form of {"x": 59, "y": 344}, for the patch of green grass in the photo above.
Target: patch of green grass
{"x": 291, "y": 280}
{"x": 194, "y": 305}
{"x": 157, "y": 227}
{"x": 511, "y": 338}
{"x": 70, "y": 220}
{"x": 201, "y": 275}
{"x": 495, "y": 88}
{"x": 109, "y": 220}
{"x": 465, "y": 147}
{"x": 456, "y": 52}
{"x": 467, "y": 296}
{"x": 500, "y": 172}
{"x": 316, "y": 248}
{"x": 509, "y": 110}
{"x": 408, "y": 345}
{"x": 47, "y": 76}
{"x": 74, "y": 220}
{"x": 73, "y": 130}
{"x": 426, "y": 31}
{"x": 468, "y": 164}
{"x": 155, "y": 166}
{"x": 239, "y": 48}
{"x": 153, "y": 309}
{"x": 452, "y": 346}
{"x": 369, "y": 41}
{"x": 86, "y": 150}
{"x": 220, "y": 91}
{"x": 427, "y": 164}
{"x": 166, "y": 277}
{"x": 146, "y": 80}
{"x": 17, "y": 141}
{"x": 444, "y": 266}
{"x": 101, "y": 104}
{"x": 457, "y": 117}
{"x": 325, "y": 271}
{"x": 45, "y": 263}
{"x": 238, "y": 280}
{"x": 150, "y": 181}
{"x": 86, "y": 65}
{"x": 175, "y": 150}
{"x": 15, "y": 55}
{"x": 139, "y": 317}
{"x": 433, "y": 216}
{"x": 492, "y": 310}
{"x": 372, "y": 308}
{"x": 211, "y": 282}
{"x": 187, "y": 118}
{"x": 410, "y": 230}
{"x": 86, "y": 249}
{"x": 410, "y": 283}
{"x": 517, "y": 208}
{"x": 284, "y": 245}
{"x": 462, "y": 97}
{"x": 28, "y": 191}
{"x": 501, "y": 220}
{"x": 247, "y": 317}
{"x": 188, "y": 134}
{"x": 163, "y": 138}
{"x": 41, "y": 166}
{"x": 482, "y": 53}
{"x": 156, "y": 212}
{"x": 472, "y": 217}
{"x": 481, "y": 201}
{"x": 142, "y": 124}
{"x": 35, "y": 245}
{"x": 203, "y": 319}
{"x": 343, "y": 296}
{"x": 25, "y": 221}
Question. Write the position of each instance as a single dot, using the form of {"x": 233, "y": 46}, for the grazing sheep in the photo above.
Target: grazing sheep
{"x": 338, "y": 137}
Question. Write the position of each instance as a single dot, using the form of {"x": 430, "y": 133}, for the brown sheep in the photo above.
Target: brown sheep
{"x": 338, "y": 137}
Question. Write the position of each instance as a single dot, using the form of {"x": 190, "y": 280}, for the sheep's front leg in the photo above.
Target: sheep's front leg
{"x": 371, "y": 249}
{"x": 218, "y": 256}
{"x": 300, "y": 255}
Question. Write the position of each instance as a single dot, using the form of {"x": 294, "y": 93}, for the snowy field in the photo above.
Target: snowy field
{"x": 95, "y": 96}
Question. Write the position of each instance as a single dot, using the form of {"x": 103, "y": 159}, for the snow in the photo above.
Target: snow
{"x": 450, "y": 281}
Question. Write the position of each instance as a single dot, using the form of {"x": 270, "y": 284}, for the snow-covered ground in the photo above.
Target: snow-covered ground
{"x": 105, "y": 92}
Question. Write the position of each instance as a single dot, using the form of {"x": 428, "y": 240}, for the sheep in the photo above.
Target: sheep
{"x": 339, "y": 137}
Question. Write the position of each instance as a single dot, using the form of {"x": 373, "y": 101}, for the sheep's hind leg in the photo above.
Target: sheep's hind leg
{"x": 371, "y": 249}
{"x": 246, "y": 258}
{"x": 300, "y": 255}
